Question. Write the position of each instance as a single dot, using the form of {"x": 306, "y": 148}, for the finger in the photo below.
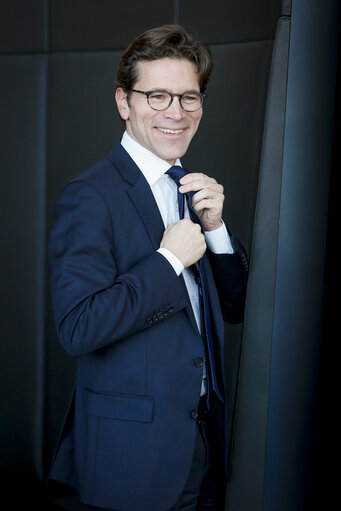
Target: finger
{"x": 192, "y": 176}
{"x": 196, "y": 176}
{"x": 208, "y": 193}
{"x": 208, "y": 204}
{"x": 195, "y": 186}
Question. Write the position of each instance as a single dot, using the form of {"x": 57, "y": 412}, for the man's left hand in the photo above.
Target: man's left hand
{"x": 207, "y": 201}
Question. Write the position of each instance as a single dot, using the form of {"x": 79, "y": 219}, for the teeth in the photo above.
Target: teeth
{"x": 164, "y": 130}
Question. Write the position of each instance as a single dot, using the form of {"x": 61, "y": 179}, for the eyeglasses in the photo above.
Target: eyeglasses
{"x": 161, "y": 99}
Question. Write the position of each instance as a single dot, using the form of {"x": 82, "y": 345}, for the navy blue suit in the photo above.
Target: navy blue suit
{"x": 120, "y": 308}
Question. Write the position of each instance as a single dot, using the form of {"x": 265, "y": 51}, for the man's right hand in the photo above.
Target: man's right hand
{"x": 185, "y": 240}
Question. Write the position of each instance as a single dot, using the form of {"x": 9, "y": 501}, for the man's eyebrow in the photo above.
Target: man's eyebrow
{"x": 155, "y": 89}
{"x": 160, "y": 89}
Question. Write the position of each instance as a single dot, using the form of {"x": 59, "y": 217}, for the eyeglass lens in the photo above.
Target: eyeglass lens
{"x": 160, "y": 100}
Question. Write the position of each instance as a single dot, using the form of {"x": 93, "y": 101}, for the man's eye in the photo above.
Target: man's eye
{"x": 158, "y": 96}
{"x": 190, "y": 99}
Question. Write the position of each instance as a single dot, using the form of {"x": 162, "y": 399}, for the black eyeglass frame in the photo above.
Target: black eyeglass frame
{"x": 172, "y": 96}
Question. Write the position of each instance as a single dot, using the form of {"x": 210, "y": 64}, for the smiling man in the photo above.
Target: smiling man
{"x": 143, "y": 272}
{"x": 167, "y": 133}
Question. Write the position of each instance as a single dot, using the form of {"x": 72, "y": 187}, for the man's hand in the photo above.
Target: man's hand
{"x": 207, "y": 201}
{"x": 185, "y": 240}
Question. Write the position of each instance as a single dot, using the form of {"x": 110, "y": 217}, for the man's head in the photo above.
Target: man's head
{"x": 167, "y": 60}
{"x": 168, "y": 41}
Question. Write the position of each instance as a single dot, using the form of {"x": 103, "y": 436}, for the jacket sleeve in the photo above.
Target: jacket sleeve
{"x": 230, "y": 272}
{"x": 93, "y": 305}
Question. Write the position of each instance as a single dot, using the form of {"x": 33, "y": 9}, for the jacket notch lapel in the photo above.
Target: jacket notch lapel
{"x": 146, "y": 206}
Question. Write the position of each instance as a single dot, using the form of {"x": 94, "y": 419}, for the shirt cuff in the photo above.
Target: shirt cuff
{"x": 172, "y": 259}
{"x": 218, "y": 241}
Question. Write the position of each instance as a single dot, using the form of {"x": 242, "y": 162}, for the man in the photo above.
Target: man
{"x": 135, "y": 297}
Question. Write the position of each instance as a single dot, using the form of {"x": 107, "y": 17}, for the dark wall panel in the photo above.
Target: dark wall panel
{"x": 22, "y": 138}
{"x": 223, "y": 21}
{"x": 83, "y": 122}
{"x": 23, "y": 27}
{"x": 105, "y": 25}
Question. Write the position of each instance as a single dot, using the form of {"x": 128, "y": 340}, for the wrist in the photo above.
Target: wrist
{"x": 173, "y": 260}
{"x": 214, "y": 227}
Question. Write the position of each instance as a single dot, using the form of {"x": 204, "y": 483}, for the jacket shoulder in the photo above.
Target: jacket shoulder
{"x": 103, "y": 173}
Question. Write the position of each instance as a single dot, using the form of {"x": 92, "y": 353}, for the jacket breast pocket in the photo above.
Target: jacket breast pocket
{"x": 124, "y": 407}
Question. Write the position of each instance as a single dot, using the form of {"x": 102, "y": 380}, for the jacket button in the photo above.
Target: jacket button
{"x": 198, "y": 362}
{"x": 194, "y": 414}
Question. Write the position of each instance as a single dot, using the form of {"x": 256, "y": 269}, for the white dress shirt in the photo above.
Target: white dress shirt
{"x": 164, "y": 190}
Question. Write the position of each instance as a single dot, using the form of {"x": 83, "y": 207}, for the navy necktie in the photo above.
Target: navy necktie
{"x": 214, "y": 378}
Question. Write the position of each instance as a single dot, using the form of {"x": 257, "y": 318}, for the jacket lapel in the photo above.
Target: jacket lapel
{"x": 139, "y": 192}
{"x": 143, "y": 199}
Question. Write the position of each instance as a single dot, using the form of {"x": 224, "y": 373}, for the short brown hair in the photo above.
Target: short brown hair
{"x": 167, "y": 41}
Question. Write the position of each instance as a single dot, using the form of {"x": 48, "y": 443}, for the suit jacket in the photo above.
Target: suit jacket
{"x": 120, "y": 308}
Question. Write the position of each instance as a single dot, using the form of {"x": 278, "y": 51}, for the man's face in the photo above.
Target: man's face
{"x": 167, "y": 133}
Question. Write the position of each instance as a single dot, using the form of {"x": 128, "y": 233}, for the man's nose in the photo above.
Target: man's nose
{"x": 175, "y": 110}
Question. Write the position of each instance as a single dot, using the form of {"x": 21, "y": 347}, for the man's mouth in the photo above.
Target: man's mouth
{"x": 172, "y": 132}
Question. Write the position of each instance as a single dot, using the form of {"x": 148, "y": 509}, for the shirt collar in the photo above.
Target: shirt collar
{"x": 151, "y": 166}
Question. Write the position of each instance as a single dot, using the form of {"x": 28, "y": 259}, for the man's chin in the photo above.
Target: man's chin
{"x": 172, "y": 156}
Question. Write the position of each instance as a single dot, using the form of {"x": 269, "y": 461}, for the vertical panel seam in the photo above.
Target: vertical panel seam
{"x": 40, "y": 272}
{"x": 176, "y": 12}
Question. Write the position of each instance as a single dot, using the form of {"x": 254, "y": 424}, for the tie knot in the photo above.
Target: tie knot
{"x": 176, "y": 173}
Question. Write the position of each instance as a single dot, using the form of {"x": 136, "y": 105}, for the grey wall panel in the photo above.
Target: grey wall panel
{"x": 230, "y": 21}
{"x": 105, "y": 25}
{"x": 301, "y": 252}
{"x": 250, "y": 429}
{"x": 23, "y": 26}
{"x": 277, "y": 386}
{"x": 23, "y": 128}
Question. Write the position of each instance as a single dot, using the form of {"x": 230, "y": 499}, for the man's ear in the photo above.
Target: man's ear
{"x": 122, "y": 103}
